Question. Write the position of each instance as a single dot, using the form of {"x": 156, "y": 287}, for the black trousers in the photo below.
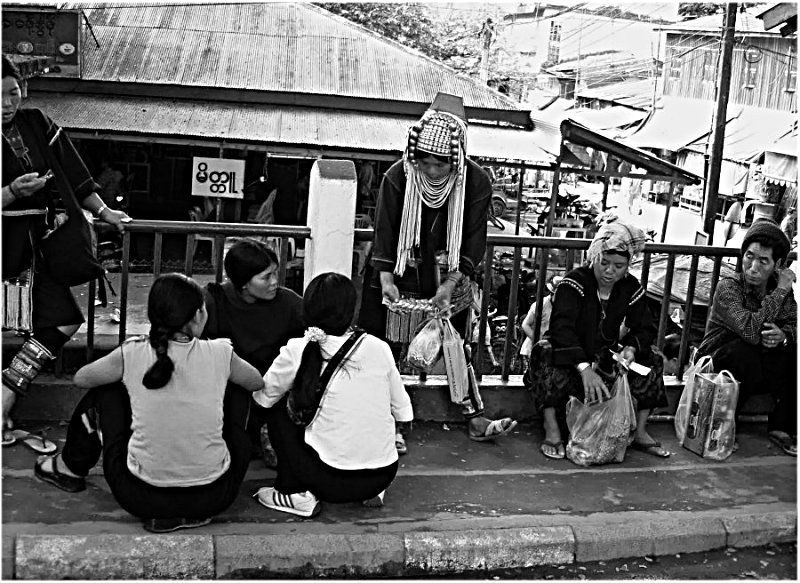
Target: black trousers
{"x": 762, "y": 370}
{"x": 300, "y": 469}
{"x": 82, "y": 450}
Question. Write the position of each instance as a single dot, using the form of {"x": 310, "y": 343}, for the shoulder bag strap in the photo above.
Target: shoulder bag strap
{"x": 336, "y": 361}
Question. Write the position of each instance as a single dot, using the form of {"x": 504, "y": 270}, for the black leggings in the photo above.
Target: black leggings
{"x": 82, "y": 450}
{"x": 300, "y": 469}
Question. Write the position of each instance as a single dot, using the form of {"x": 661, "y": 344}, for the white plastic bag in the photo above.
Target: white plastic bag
{"x": 426, "y": 346}
{"x": 704, "y": 365}
{"x": 600, "y": 433}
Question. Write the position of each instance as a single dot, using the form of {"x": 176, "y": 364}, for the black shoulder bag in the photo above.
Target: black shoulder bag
{"x": 302, "y": 405}
{"x": 67, "y": 252}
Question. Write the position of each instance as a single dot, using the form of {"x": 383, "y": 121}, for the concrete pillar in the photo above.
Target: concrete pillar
{"x": 331, "y": 217}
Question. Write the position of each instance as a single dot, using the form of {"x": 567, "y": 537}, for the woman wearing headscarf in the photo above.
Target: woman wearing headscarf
{"x": 574, "y": 358}
{"x": 430, "y": 233}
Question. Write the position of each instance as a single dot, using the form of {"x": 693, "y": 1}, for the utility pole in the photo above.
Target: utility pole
{"x": 487, "y": 35}
{"x": 720, "y": 117}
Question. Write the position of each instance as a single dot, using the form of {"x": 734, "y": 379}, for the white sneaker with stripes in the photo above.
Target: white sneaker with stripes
{"x": 301, "y": 503}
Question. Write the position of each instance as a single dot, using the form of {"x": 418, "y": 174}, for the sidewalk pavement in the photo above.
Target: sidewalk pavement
{"x": 455, "y": 506}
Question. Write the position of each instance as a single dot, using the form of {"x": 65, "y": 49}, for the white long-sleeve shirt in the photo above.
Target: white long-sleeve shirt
{"x": 354, "y": 425}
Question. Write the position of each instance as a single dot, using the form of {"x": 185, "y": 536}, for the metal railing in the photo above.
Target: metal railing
{"x": 192, "y": 230}
{"x": 538, "y": 249}
{"x": 540, "y": 246}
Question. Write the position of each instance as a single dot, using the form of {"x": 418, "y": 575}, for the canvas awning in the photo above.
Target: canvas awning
{"x": 673, "y": 124}
{"x": 780, "y": 160}
{"x": 609, "y": 118}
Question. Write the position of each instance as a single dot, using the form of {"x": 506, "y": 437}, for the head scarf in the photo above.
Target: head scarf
{"x": 442, "y": 134}
{"x": 616, "y": 236}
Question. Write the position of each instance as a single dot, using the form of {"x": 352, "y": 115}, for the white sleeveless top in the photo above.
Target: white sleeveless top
{"x": 177, "y": 429}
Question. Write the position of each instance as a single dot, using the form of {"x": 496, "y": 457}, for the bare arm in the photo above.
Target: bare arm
{"x": 103, "y": 371}
{"x": 245, "y": 374}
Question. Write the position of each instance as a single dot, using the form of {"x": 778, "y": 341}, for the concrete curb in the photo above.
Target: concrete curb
{"x": 191, "y": 556}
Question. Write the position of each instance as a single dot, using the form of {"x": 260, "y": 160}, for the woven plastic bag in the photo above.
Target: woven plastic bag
{"x": 426, "y": 346}
{"x": 703, "y": 365}
{"x": 601, "y": 432}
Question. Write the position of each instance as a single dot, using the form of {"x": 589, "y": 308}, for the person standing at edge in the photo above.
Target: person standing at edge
{"x": 29, "y": 203}
{"x": 430, "y": 233}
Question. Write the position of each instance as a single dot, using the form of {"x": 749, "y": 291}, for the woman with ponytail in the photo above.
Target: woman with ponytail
{"x": 333, "y": 429}
{"x": 159, "y": 409}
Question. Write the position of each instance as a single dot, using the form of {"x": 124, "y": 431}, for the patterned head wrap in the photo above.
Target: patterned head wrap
{"x": 616, "y": 236}
{"x": 442, "y": 134}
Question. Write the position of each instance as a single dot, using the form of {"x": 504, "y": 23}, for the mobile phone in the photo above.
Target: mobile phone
{"x": 47, "y": 175}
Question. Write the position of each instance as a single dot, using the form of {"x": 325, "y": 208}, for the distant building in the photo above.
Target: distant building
{"x": 583, "y": 45}
{"x": 762, "y": 106}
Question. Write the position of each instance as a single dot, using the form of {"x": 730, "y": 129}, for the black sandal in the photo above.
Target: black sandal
{"x": 57, "y": 479}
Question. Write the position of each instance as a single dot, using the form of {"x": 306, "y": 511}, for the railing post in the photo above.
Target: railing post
{"x": 331, "y": 217}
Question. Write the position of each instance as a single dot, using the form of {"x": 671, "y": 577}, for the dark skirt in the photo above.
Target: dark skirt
{"x": 552, "y": 386}
{"x": 53, "y": 302}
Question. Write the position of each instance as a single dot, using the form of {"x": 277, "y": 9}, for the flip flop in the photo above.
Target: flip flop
{"x": 784, "y": 441}
{"x": 8, "y": 438}
{"x": 653, "y": 448}
{"x": 35, "y": 442}
{"x": 495, "y": 429}
{"x": 557, "y": 445}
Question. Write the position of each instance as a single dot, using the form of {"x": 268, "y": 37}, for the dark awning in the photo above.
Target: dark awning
{"x": 576, "y": 133}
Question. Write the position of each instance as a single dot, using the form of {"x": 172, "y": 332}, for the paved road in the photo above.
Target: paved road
{"x": 767, "y": 562}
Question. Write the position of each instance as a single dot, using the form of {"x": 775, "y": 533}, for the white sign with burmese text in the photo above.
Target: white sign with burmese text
{"x": 217, "y": 177}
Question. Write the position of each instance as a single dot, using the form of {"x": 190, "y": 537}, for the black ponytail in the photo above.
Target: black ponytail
{"x": 329, "y": 304}
{"x": 160, "y": 373}
{"x": 173, "y": 301}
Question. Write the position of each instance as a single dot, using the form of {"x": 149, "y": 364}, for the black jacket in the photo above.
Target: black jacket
{"x": 578, "y": 331}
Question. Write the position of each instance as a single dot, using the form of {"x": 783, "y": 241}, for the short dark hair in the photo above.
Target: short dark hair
{"x": 10, "y": 69}
{"x": 422, "y": 154}
{"x": 246, "y": 258}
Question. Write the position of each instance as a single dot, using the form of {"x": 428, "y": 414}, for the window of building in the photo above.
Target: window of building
{"x": 675, "y": 63}
{"x": 791, "y": 74}
{"x": 710, "y": 66}
{"x": 554, "y": 43}
{"x": 750, "y": 74}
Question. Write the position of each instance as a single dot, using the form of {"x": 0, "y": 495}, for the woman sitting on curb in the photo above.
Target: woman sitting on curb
{"x": 575, "y": 359}
{"x": 172, "y": 437}
{"x": 347, "y": 451}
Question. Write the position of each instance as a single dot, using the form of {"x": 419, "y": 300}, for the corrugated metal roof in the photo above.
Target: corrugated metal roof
{"x": 609, "y": 118}
{"x": 637, "y": 93}
{"x": 745, "y": 23}
{"x": 266, "y": 46}
{"x": 270, "y": 124}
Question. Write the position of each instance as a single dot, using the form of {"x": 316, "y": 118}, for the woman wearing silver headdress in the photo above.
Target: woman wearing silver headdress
{"x": 430, "y": 233}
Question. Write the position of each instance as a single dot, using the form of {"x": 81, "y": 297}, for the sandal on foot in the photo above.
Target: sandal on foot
{"x": 56, "y": 478}
{"x": 495, "y": 429}
{"x": 784, "y": 441}
{"x": 36, "y": 442}
{"x": 547, "y": 447}
{"x": 652, "y": 448}
{"x": 8, "y": 438}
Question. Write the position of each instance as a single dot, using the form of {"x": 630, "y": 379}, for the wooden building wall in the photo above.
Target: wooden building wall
{"x": 690, "y": 70}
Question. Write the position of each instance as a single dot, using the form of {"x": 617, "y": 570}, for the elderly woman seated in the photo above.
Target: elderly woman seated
{"x": 575, "y": 356}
